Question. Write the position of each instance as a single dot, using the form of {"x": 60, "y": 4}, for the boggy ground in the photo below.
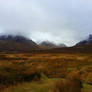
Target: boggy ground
{"x": 19, "y": 71}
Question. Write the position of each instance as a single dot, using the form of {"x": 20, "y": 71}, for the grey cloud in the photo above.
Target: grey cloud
{"x": 61, "y": 21}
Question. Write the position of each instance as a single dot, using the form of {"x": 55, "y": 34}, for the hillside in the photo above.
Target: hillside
{"x": 87, "y": 41}
{"x": 50, "y": 45}
{"x": 84, "y": 46}
{"x": 16, "y": 43}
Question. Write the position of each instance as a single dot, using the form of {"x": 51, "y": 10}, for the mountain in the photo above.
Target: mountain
{"x": 84, "y": 46}
{"x": 87, "y": 41}
{"x": 49, "y": 45}
{"x": 16, "y": 43}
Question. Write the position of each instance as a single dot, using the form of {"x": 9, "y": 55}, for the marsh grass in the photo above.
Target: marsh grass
{"x": 48, "y": 66}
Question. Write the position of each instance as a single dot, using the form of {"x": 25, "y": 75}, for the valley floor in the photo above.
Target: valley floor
{"x": 43, "y": 70}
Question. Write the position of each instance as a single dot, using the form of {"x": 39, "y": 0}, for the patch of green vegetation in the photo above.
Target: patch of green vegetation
{"x": 87, "y": 88}
{"x": 40, "y": 86}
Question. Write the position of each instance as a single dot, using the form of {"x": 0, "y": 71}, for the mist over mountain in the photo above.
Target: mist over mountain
{"x": 66, "y": 21}
{"x": 87, "y": 41}
{"x": 16, "y": 43}
{"x": 49, "y": 45}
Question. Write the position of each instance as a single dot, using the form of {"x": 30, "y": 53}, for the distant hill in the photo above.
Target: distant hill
{"x": 87, "y": 41}
{"x": 49, "y": 45}
{"x": 84, "y": 46}
{"x": 9, "y": 43}
{"x": 16, "y": 43}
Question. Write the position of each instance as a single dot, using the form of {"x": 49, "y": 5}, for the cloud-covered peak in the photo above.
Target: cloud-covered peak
{"x": 60, "y": 21}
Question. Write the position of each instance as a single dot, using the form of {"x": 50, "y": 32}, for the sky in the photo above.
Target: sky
{"x": 58, "y": 21}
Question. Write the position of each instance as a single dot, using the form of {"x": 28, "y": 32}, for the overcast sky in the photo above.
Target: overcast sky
{"x": 60, "y": 21}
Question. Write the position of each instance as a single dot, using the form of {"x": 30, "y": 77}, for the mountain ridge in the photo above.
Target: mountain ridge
{"x": 87, "y": 41}
{"x": 50, "y": 45}
{"x": 16, "y": 43}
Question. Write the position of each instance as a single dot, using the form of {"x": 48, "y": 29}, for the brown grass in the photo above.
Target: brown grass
{"x": 24, "y": 67}
{"x": 71, "y": 84}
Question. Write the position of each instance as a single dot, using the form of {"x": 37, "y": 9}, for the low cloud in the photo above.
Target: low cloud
{"x": 60, "y": 21}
